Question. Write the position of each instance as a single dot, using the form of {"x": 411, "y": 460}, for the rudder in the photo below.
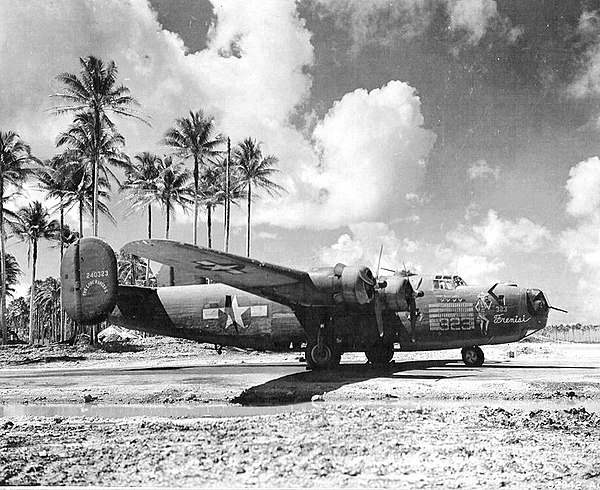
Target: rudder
{"x": 89, "y": 283}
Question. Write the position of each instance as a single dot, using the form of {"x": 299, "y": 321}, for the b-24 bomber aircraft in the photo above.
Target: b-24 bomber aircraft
{"x": 332, "y": 309}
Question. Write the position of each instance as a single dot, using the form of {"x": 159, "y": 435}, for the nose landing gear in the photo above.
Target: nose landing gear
{"x": 472, "y": 356}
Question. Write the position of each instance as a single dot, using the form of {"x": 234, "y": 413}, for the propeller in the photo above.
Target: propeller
{"x": 378, "y": 303}
{"x": 411, "y": 295}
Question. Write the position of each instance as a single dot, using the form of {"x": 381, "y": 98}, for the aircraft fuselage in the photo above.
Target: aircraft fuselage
{"x": 222, "y": 315}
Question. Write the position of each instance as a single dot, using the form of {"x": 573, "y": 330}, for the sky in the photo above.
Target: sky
{"x": 462, "y": 135}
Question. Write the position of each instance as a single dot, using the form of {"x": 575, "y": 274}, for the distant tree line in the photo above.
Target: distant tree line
{"x": 573, "y": 333}
{"x": 199, "y": 170}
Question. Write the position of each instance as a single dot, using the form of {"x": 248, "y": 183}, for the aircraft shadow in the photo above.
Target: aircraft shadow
{"x": 301, "y": 387}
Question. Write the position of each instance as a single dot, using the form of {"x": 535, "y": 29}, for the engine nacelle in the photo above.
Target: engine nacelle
{"x": 343, "y": 284}
{"x": 89, "y": 283}
{"x": 394, "y": 295}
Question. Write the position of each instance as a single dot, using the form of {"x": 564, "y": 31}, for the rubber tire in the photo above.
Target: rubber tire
{"x": 472, "y": 356}
{"x": 380, "y": 354}
{"x": 327, "y": 359}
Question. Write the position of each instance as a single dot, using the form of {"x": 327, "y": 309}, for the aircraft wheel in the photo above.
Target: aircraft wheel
{"x": 472, "y": 356}
{"x": 321, "y": 357}
{"x": 380, "y": 353}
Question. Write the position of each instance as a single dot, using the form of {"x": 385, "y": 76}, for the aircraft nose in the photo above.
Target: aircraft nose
{"x": 537, "y": 304}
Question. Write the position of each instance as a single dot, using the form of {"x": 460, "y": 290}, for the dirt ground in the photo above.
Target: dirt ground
{"x": 357, "y": 434}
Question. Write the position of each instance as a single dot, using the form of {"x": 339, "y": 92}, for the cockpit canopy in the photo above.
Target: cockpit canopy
{"x": 447, "y": 282}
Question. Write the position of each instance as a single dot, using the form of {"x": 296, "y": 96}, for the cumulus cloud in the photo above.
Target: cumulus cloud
{"x": 369, "y": 21}
{"x": 362, "y": 246}
{"x": 588, "y": 81}
{"x": 370, "y": 144}
{"x": 475, "y": 251}
{"x": 472, "y": 267}
{"x": 472, "y": 15}
{"x": 250, "y": 77}
{"x": 494, "y": 235}
{"x": 581, "y": 243}
{"x": 481, "y": 170}
{"x": 583, "y": 187}
{"x": 251, "y": 92}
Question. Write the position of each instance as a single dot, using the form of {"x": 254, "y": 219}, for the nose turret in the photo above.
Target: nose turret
{"x": 537, "y": 307}
{"x": 537, "y": 304}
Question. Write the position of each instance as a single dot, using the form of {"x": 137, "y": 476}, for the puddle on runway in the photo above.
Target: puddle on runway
{"x": 126, "y": 411}
{"x": 210, "y": 410}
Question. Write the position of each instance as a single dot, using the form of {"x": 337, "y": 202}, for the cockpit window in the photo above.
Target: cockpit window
{"x": 447, "y": 282}
{"x": 443, "y": 282}
{"x": 458, "y": 281}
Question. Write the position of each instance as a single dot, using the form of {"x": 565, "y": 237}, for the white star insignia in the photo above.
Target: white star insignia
{"x": 234, "y": 314}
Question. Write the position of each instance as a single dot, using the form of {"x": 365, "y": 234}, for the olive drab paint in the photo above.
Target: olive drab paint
{"x": 89, "y": 280}
{"x": 333, "y": 310}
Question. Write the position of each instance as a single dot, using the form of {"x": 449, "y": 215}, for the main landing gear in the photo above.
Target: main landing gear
{"x": 321, "y": 356}
{"x": 472, "y": 356}
{"x": 322, "y": 353}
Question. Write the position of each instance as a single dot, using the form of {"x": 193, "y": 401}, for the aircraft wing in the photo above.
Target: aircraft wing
{"x": 281, "y": 284}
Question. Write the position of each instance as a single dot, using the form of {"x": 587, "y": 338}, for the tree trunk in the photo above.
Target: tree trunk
{"x": 171, "y": 270}
{"x": 62, "y": 250}
{"x": 3, "y": 325}
{"x": 147, "y": 283}
{"x": 168, "y": 223}
{"x": 248, "y": 223}
{"x": 196, "y": 205}
{"x": 209, "y": 224}
{"x": 95, "y": 170}
{"x": 32, "y": 289}
{"x": 227, "y": 195}
{"x": 81, "y": 218}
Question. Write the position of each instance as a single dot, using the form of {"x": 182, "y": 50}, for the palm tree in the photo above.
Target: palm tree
{"x": 142, "y": 177}
{"x": 78, "y": 141}
{"x": 96, "y": 94}
{"x": 15, "y": 155}
{"x": 130, "y": 267}
{"x": 232, "y": 190}
{"x": 34, "y": 224}
{"x": 255, "y": 170}
{"x": 12, "y": 271}
{"x": 47, "y": 310}
{"x": 70, "y": 179}
{"x": 51, "y": 179}
{"x": 173, "y": 189}
{"x": 192, "y": 137}
{"x": 211, "y": 194}
{"x": 142, "y": 180}
{"x": 18, "y": 315}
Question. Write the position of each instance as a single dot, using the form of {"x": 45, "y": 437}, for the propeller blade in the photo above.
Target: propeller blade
{"x": 379, "y": 261}
{"x": 379, "y": 314}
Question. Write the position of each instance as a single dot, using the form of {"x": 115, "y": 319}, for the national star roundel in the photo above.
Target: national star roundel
{"x": 208, "y": 265}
